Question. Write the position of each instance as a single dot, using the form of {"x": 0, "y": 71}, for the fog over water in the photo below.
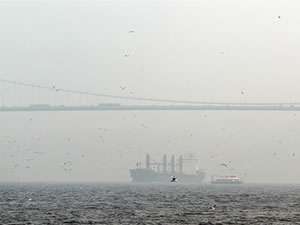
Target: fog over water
{"x": 225, "y": 51}
{"x": 102, "y": 146}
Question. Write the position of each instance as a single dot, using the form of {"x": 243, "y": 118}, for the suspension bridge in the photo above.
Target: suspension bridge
{"x": 140, "y": 103}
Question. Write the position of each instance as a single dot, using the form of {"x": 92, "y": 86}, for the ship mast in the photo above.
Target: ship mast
{"x": 173, "y": 166}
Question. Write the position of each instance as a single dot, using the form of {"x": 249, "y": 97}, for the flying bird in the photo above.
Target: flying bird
{"x": 173, "y": 179}
{"x": 213, "y": 207}
{"x": 223, "y": 164}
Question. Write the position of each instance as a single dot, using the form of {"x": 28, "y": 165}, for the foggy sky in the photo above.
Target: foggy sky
{"x": 208, "y": 50}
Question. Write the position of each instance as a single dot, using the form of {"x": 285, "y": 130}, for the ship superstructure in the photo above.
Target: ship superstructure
{"x": 162, "y": 171}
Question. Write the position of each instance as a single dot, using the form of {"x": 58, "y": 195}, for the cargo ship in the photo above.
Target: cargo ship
{"x": 226, "y": 180}
{"x": 162, "y": 171}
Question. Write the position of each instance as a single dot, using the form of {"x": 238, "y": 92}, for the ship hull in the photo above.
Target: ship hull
{"x": 226, "y": 182}
{"x": 149, "y": 176}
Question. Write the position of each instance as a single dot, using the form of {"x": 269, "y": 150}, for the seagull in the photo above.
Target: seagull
{"x": 173, "y": 179}
{"x": 213, "y": 207}
{"x": 223, "y": 164}
{"x": 123, "y": 87}
{"x": 126, "y": 55}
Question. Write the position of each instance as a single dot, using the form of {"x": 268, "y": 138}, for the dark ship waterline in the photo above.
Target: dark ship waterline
{"x": 149, "y": 174}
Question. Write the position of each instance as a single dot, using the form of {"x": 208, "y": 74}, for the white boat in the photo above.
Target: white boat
{"x": 226, "y": 180}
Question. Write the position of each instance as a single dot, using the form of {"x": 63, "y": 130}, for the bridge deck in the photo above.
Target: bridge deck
{"x": 133, "y": 107}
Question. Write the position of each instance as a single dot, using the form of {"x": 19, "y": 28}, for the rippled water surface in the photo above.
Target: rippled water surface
{"x": 148, "y": 204}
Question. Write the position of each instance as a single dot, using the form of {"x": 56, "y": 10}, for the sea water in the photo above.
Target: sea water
{"x": 149, "y": 204}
